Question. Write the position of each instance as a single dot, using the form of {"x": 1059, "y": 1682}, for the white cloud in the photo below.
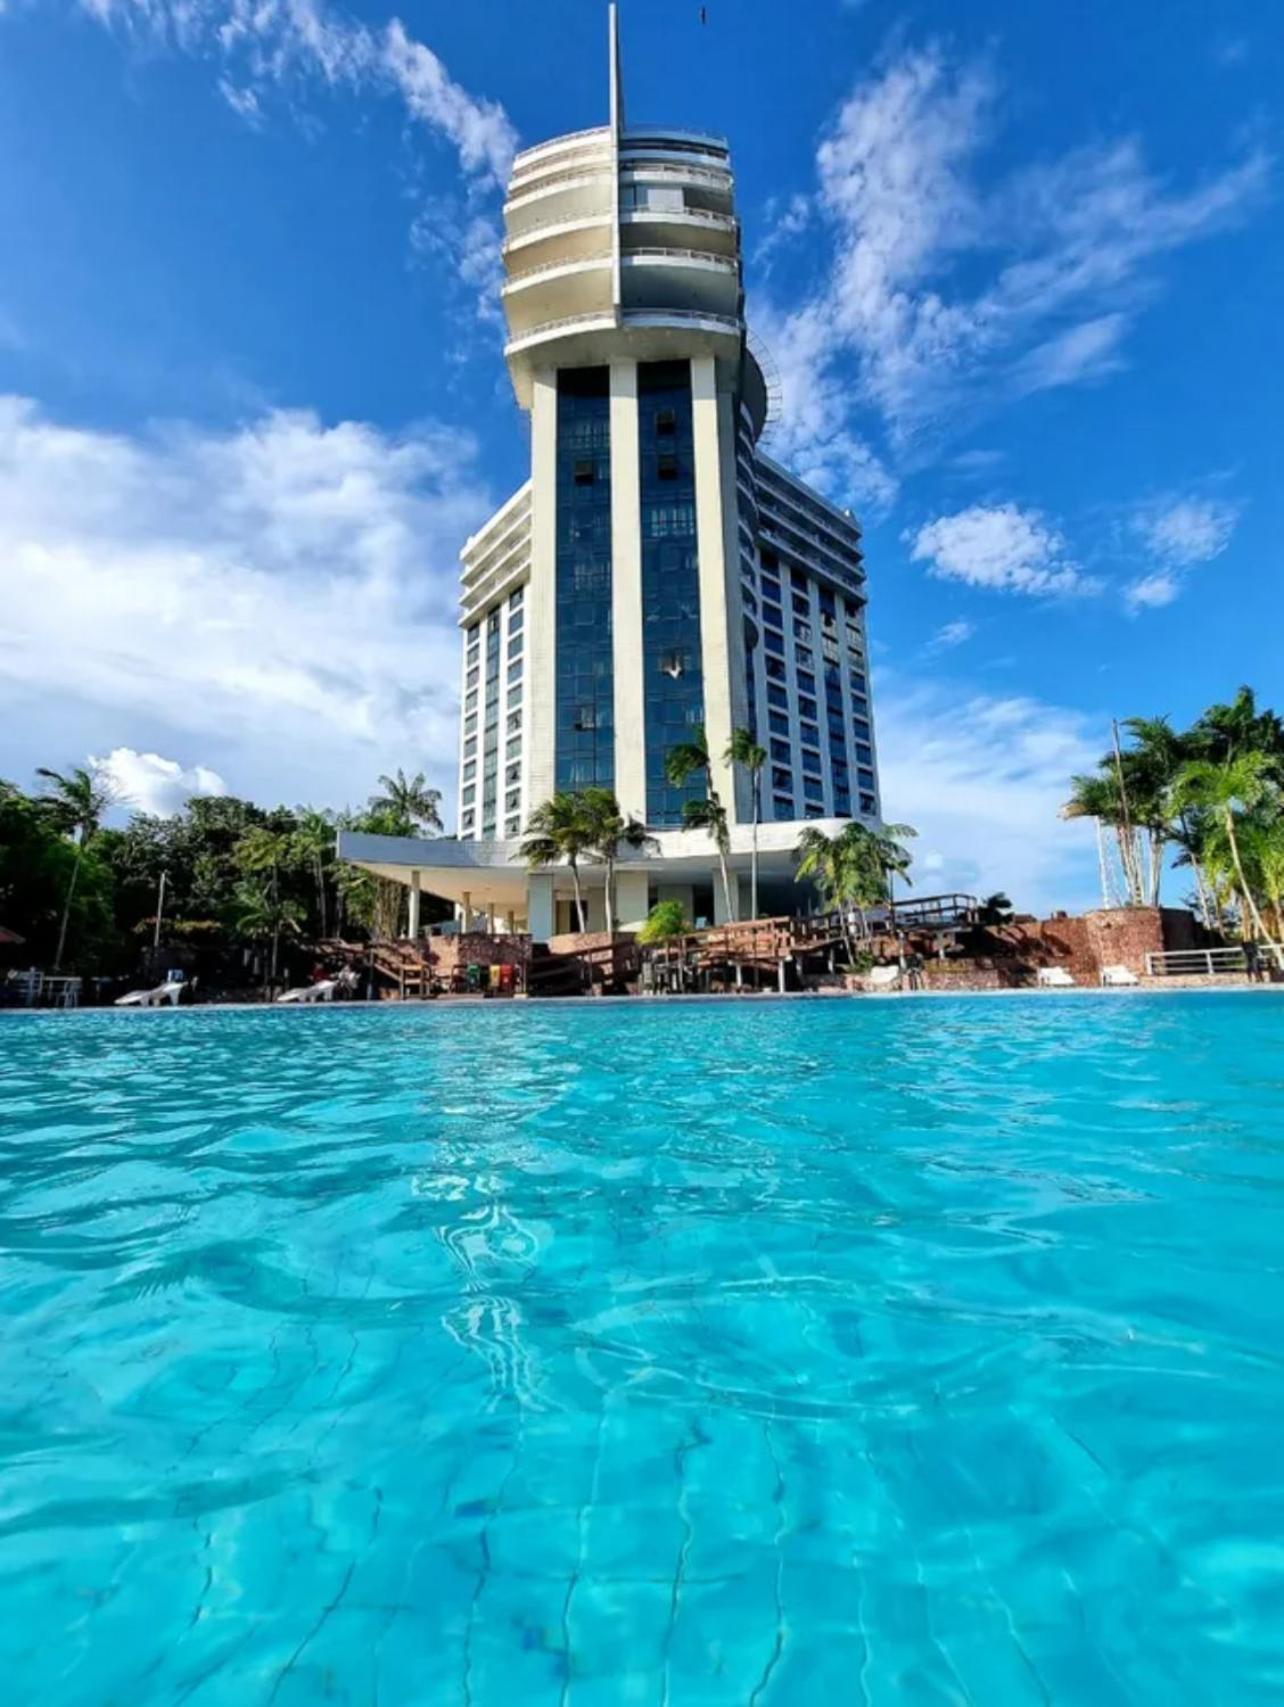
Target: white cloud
{"x": 977, "y": 461}
{"x": 946, "y": 295}
{"x": 1153, "y": 591}
{"x": 1185, "y": 530}
{"x": 952, "y": 634}
{"x": 279, "y": 599}
{"x": 272, "y": 44}
{"x": 1177, "y": 531}
{"x": 1081, "y": 353}
{"x": 1001, "y": 547}
{"x": 146, "y": 782}
{"x": 812, "y": 433}
{"x": 981, "y": 780}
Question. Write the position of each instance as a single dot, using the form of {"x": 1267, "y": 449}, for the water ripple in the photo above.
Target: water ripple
{"x": 756, "y": 1353}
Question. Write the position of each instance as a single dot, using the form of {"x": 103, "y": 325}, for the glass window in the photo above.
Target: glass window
{"x": 781, "y": 752}
{"x": 778, "y": 723}
{"x": 584, "y": 748}
{"x": 673, "y": 676}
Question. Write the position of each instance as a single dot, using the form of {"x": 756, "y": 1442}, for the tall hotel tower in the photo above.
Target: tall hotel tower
{"x": 658, "y": 573}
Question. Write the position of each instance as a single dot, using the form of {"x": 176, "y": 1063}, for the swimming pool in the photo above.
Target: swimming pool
{"x": 708, "y": 1352}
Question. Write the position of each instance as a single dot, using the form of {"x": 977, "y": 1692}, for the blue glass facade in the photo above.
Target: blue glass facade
{"x": 584, "y": 749}
{"x": 674, "y": 679}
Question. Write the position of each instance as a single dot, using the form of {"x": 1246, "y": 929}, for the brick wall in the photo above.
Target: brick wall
{"x": 476, "y": 948}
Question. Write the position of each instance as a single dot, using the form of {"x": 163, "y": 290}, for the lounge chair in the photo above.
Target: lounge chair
{"x": 322, "y": 991}
{"x": 1054, "y": 977}
{"x": 169, "y": 991}
{"x": 1119, "y": 975}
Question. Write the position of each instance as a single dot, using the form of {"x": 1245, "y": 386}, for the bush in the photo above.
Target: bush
{"x": 666, "y": 919}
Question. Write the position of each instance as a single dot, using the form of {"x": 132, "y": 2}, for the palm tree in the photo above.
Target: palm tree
{"x": 77, "y": 799}
{"x": 314, "y": 846}
{"x": 683, "y": 761}
{"x": 262, "y": 916}
{"x": 996, "y": 909}
{"x": 610, "y": 832}
{"x": 1097, "y": 797}
{"x": 854, "y": 868}
{"x": 889, "y": 858}
{"x": 711, "y": 815}
{"x": 743, "y": 750}
{"x": 411, "y": 799}
{"x": 680, "y": 764}
{"x": 1228, "y": 731}
{"x": 1241, "y": 782}
{"x": 556, "y": 831}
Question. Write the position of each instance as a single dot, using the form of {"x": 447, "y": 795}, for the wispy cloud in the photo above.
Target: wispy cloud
{"x": 952, "y": 634}
{"x": 1000, "y": 547}
{"x": 275, "y": 603}
{"x": 1177, "y": 531}
{"x": 981, "y": 779}
{"x": 265, "y": 46}
{"x": 946, "y": 294}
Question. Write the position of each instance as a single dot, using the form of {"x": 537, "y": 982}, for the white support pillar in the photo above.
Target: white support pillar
{"x": 540, "y": 912}
{"x": 632, "y": 889}
{"x": 490, "y": 918}
{"x": 626, "y": 592}
{"x": 715, "y": 509}
{"x": 414, "y": 905}
{"x": 510, "y": 922}
{"x": 466, "y": 911}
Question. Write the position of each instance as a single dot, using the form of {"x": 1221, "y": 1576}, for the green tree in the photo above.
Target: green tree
{"x": 410, "y": 799}
{"x": 711, "y": 815}
{"x": 77, "y": 799}
{"x": 681, "y": 763}
{"x": 1229, "y": 789}
{"x": 744, "y": 752}
{"x": 558, "y": 831}
{"x": 853, "y": 869}
{"x": 262, "y": 916}
{"x": 665, "y": 921}
{"x": 611, "y": 833}
{"x": 313, "y": 849}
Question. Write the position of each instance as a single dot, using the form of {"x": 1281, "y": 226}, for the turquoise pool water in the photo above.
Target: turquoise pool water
{"x": 689, "y": 1353}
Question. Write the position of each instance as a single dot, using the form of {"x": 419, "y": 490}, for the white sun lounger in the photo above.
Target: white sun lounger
{"x": 322, "y": 991}
{"x": 1119, "y": 975}
{"x": 169, "y": 992}
{"x": 1054, "y": 977}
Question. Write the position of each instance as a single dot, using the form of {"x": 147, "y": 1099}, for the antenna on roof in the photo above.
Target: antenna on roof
{"x": 617, "y": 82}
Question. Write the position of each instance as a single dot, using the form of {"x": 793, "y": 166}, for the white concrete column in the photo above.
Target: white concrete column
{"x": 631, "y": 891}
{"x": 510, "y": 922}
{"x": 466, "y": 912}
{"x": 539, "y": 728}
{"x": 626, "y": 592}
{"x": 712, "y": 502}
{"x": 414, "y": 905}
{"x": 540, "y": 912}
{"x": 490, "y": 918}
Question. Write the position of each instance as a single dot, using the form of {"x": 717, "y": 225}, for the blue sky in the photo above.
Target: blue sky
{"x": 1019, "y": 268}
